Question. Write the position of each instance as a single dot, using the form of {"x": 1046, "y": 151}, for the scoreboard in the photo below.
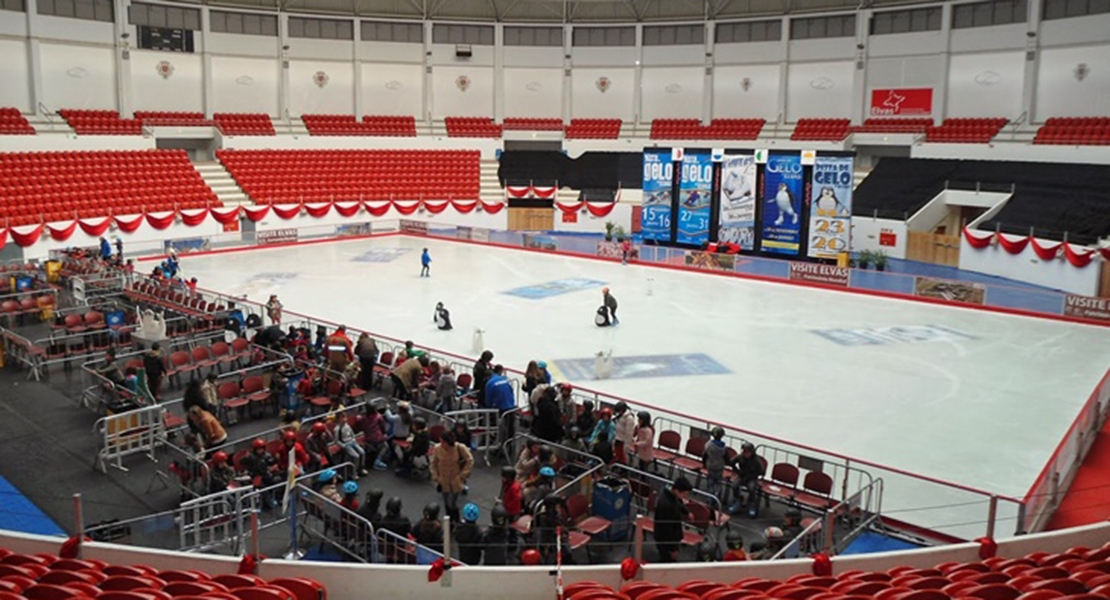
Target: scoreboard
{"x": 165, "y": 39}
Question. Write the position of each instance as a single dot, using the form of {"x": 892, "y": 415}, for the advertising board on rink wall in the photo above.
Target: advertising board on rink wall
{"x": 1086, "y": 307}
{"x": 658, "y": 187}
{"x": 276, "y": 236}
{"x": 819, "y": 274}
{"x": 830, "y": 216}
{"x": 417, "y": 227}
{"x": 950, "y": 290}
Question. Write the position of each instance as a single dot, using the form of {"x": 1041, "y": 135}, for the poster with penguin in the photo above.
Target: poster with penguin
{"x": 830, "y": 210}
{"x": 782, "y": 204}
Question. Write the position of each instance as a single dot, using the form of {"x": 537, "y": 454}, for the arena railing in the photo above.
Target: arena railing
{"x": 1059, "y": 472}
{"x": 834, "y": 530}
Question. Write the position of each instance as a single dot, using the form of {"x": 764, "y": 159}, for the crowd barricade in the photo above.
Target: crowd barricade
{"x": 139, "y": 431}
{"x": 832, "y": 530}
{"x": 321, "y": 520}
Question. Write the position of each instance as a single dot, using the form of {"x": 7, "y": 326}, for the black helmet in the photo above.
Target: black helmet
{"x": 420, "y": 423}
{"x": 393, "y": 506}
{"x": 708, "y": 552}
{"x": 734, "y": 540}
{"x": 431, "y": 511}
{"x": 545, "y": 452}
{"x": 374, "y": 498}
{"x": 575, "y": 432}
{"x": 620, "y": 407}
{"x": 750, "y": 447}
{"x": 499, "y": 515}
{"x": 718, "y": 433}
{"x": 507, "y": 472}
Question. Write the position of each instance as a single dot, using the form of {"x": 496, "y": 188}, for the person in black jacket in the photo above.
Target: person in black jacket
{"x": 399, "y": 525}
{"x": 371, "y": 507}
{"x": 155, "y": 368}
{"x": 745, "y": 487}
{"x": 469, "y": 535}
{"x": 496, "y": 539}
{"x": 429, "y": 531}
{"x": 670, "y": 511}
{"x": 482, "y": 372}
{"x": 547, "y": 423}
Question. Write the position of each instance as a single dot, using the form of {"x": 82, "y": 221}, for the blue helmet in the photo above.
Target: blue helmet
{"x": 351, "y": 487}
{"x": 547, "y": 472}
{"x": 326, "y": 475}
{"x": 471, "y": 512}
{"x": 541, "y": 364}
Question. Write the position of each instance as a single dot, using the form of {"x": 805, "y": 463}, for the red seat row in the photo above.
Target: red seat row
{"x": 718, "y": 129}
{"x": 100, "y": 122}
{"x": 180, "y": 119}
{"x": 894, "y": 126}
{"x": 472, "y": 127}
{"x": 1075, "y": 131}
{"x": 593, "y": 129}
{"x": 1078, "y": 574}
{"x": 833, "y": 130}
{"x": 47, "y": 577}
{"x": 533, "y": 124}
{"x": 966, "y": 131}
{"x": 290, "y": 176}
{"x": 244, "y": 123}
{"x": 393, "y": 126}
{"x": 59, "y": 185}
{"x": 12, "y": 122}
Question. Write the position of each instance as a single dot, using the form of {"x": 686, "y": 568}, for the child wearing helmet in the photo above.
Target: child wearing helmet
{"x": 714, "y": 458}
{"x": 606, "y": 424}
{"x": 328, "y": 485}
{"x": 468, "y": 535}
{"x": 289, "y": 444}
{"x": 350, "y": 496}
{"x": 317, "y": 444}
{"x": 511, "y": 495}
{"x": 540, "y": 487}
{"x": 400, "y": 526}
{"x": 428, "y": 531}
{"x": 745, "y": 488}
{"x": 497, "y": 538}
{"x": 735, "y": 543}
{"x": 220, "y": 473}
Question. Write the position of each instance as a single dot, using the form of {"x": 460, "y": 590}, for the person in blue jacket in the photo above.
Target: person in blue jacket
{"x": 499, "y": 395}
{"x": 425, "y": 264}
{"x": 105, "y": 249}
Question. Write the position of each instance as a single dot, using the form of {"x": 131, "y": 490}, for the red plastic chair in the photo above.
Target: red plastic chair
{"x": 234, "y": 582}
{"x": 46, "y": 591}
{"x": 302, "y": 587}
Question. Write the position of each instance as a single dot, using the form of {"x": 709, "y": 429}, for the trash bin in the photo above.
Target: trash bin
{"x": 612, "y": 500}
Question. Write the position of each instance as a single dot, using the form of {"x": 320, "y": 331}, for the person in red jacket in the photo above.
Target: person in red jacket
{"x": 511, "y": 495}
{"x": 300, "y": 457}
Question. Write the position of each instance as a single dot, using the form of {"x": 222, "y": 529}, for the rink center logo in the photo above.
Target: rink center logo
{"x": 381, "y": 255}
{"x": 885, "y": 336}
{"x": 554, "y": 288}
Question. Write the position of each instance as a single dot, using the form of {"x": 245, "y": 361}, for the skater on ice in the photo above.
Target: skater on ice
{"x": 425, "y": 264}
{"x": 611, "y": 304}
{"x": 442, "y": 317}
{"x": 784, "y": 200}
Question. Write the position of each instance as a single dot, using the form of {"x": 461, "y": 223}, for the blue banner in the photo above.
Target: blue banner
{"x": 655, "y": 223}
{"x": 695, "y": 199}
{"x": 830, "y": 211}
{"x": 782, "y": 206}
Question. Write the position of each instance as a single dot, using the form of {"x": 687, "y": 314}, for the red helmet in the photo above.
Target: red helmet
{"x": 219, "y": 458}
{"x": 259, "y": 443}
{"x": 530, "y": 557}
{"x": 566, "y": 387}
{"x": 290, "y": 435}
{"x": 319, "y": 427}
{"x": 606, "y": 412}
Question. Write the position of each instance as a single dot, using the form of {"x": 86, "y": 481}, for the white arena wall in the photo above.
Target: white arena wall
{"x": 976, "y": 72}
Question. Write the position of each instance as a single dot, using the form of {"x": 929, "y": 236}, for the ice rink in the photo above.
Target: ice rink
{"x": 970, "y": 396}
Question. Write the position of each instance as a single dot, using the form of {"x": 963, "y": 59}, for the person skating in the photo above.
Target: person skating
{"x": 425, "y": 264}
{"x": 611, "y": 305}
{"x": 442, "y": 317}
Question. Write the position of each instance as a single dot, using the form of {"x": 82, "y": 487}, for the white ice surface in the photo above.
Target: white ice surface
{"x": 986, "y": 413}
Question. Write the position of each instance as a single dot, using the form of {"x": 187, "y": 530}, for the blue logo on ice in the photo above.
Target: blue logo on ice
{"x": 884, "y": 336}
{"x": 554, "y": 288}
{"x": 629, "y": 367}
{"x": 381, "y": 255}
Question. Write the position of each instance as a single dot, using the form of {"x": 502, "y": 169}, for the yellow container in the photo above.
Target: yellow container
{"x": 53, "y": 271}
{"x": 842, "y": 259}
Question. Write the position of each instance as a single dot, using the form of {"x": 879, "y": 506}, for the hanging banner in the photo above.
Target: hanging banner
{"x": 737, "y": 224}
{"x": 695, "y": 196}
{"x": 782, "y": 195}
{"x": 658, "y": 181}
{"x": 830, "y": 211}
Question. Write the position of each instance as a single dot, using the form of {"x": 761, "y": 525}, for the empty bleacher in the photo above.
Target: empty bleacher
{"x": 893, "y": 126}
{"x": 58, "y": 186}
{"x": 12, "y": 122}
{"x": 718, "y": 129}
{"x": 1075, "y": 131}
{"x": 244, "y": 123}
{"x": 100, "y": 122}
{"x": 831, "y": 130}
{"x": 284, "y": 176}
{"x": 473, "y": 127}
{"x": 533, "y": 124}
{"x": 392, "y": 126}
{"x": 178, "y": 119}
{"x": 593, "y": 129}
{"x": 965, "y": 131}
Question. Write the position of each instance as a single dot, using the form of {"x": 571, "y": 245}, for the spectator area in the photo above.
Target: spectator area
{"x": 244, "y": 124}
{"x": 369, "y": 125}
{"x": 475, "y": 127}
{"x": 831, "y": 130}
{"x": 593, "y": 129}
{"x": 12, "y": 122}
{"x": 100, "y": 122}
{"x": 965, "y": 131}
{"x": 1075, "y": 131}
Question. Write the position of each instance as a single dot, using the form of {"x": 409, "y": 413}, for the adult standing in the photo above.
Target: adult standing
{"x": 481, "y": 374}
{"x": 105, "y": 249}
{"x": 451, "y": 467}
{"x": 499, "y": 395}
{"x": 155, "y": 367}
{"x": 611, "y": 304}
{"x": 340, "y": 350}
{"x": 670, "y": 511}
{"x": 273, "y": 309}
{"x": 406, "y": 377}
{"x": 367, "y": 351}
{"x": 425, "y": 264}
{"x": 119, "y": 249}
{"x": 547, "y": 422}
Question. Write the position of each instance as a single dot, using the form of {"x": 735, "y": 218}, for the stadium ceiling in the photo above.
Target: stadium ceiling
{"x": 554, "y": 11}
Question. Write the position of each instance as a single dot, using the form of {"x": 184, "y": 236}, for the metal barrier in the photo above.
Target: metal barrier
{"x": 321, "y": 519}
{"x": 483, "y": 426}
{"x": 139, "y": 431}
{"x": 213, "y": 520}
{"x": 832, "y": 531}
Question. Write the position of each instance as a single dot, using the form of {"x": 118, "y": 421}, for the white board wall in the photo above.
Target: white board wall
{"x": 321, "y": 87}
{"x": 987, "y": 84}
{"x": 746, "y": 92}
{"x": 392, "y": 89}
{"x": 533, "y": 92}
{"x": 245, "y": 85}
{"x": 177, "y": 88}
{"x": 81, "y": 77}
{"x": 591, "y": 99}
{"x": 15, "y": 69}
{"x": 819, "y": 90}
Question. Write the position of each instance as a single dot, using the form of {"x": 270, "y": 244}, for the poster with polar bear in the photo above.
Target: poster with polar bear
{"x": 830, "y": 210}
{"x": 782, "y": 204}
{"x": 737, "y": 206}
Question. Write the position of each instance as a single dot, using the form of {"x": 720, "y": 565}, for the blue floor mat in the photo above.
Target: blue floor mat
{"x": 869, "y": 542}
{"x": 17, "y": 513}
